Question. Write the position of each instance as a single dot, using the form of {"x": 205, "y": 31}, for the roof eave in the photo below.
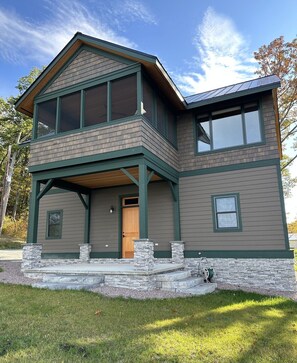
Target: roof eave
{"x": 234, "y": 95}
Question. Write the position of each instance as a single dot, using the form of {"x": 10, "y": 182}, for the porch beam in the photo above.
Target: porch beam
{"x": 62, "y": 184}
{"x": 130, "y": 176}
{"x": 47, "y": 187}
{"x": 150, "y": 175}
{"x": 33, "y": 212}
{"x": 143, "y": 205}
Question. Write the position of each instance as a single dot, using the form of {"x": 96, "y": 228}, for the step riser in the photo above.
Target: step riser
{"x": 200, "y": 289}
{"x": 173, "y": 276}
{"x": 59, "y": 286}
{"x": 182, "y": 284}
{"x": 80, "y": 279}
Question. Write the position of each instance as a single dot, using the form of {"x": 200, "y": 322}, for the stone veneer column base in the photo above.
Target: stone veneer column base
{"x": 31, "y": 256}
{"x": 177, "y": 251}
{"x": 259, "y": 273}
{"x": 143, "y": 255}
{"x": 84, "y": 252}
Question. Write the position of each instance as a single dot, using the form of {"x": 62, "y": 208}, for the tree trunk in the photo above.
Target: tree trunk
{"x": 7, "y": 185}
{"x": 16, "y": 204}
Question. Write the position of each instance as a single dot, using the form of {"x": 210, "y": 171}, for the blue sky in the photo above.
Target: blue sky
{"x": 203, "y": 44}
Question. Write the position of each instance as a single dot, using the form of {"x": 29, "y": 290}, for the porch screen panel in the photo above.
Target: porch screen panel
{"x": 161, "y": 117}
{"x": 70, "y": 112}
{"x": 171, "y": 127}
{"x": 46, "y": 117}
{"x": 123, "y": 97}
{"x": 148, "y": 101}
{"x": 95, "y": 105}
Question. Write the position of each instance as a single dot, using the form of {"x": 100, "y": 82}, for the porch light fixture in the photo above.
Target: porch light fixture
{"x": 111, "y": 210}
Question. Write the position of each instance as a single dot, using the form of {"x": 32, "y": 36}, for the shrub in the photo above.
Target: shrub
{"x": 15, "y": 228}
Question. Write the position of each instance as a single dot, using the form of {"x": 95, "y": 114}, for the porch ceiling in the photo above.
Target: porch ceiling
{"x": 107, "y": 179}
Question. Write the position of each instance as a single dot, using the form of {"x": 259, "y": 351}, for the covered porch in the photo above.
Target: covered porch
{"x": 91, "y": 184}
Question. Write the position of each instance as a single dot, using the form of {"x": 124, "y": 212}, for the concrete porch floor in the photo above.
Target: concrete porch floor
{"x": 106, "y": 269}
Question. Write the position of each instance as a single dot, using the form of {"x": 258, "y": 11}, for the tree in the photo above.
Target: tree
{"x": 15, "y": 128}
{"x": 280, "y": 58}
{"x": 292, "y": 227}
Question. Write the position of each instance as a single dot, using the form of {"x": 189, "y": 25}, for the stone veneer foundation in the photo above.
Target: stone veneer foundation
{"x": 264, "y": 273}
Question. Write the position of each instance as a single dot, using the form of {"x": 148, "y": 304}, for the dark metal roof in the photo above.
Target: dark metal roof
{"x": 233, "y": 91}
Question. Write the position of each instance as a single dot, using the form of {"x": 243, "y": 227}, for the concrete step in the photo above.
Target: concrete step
{"x": 186, "y": 283}
{"x": 64, "y": 286}
{"x": 200, "y": 289}
{"x": 173, "y": 276}
{"x": 64, "y": 278}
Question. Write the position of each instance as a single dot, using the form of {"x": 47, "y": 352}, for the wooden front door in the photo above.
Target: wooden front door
{"x": 130, "y": 225}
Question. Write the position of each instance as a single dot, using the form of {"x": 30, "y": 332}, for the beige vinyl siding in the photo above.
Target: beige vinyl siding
{"x": 102, "y": 140}
{"x": 86, "y": 65}
{"x": 189, "y": 160}
{"x": 105, "y": 226}
{"x": 72, "y": 225}
{"x": 261, "y": 215}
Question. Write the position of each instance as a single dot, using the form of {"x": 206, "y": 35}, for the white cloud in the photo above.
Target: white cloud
{"x": 223, "y": 57}
{"x": 27, "y": 40}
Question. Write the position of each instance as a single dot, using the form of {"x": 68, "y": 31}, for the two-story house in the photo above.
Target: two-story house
{"x": 118, "y": 155}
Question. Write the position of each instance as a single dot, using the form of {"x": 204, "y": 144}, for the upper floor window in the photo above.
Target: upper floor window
{"x": 105, "y": 102}
{"x": 230, "y": 127}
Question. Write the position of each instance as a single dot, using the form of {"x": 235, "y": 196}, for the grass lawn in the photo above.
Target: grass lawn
{"x": 9, "y": 243}
{"x": 73, "y": 326}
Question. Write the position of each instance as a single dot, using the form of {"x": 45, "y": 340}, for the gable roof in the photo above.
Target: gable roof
{"x": 233, "y": 91}
{"x": 154, "y": 68}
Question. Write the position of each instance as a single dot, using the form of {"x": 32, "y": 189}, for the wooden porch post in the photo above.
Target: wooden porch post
{"x": 176, "y": 215}
{"x": 143, "y": 205}
{"x": 33, "y": 212}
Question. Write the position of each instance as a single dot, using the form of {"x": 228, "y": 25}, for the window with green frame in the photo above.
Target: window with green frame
{"x": 117, "y": 98}
{"x": 226, "y": 213}
{"x": 230, "y": 127}
{"x": 54, "y": 224}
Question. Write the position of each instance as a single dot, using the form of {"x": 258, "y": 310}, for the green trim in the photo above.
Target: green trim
{"x": 108, "y": 105}
{"x": 35, "y": 122}
{"x": 283, "y": 209}
{"x": 77, "y": 166}
{"x": 139, "y": 93}
{"x": 143, "y": 201}
{"x": 240, "y": 254}
{"x": 82, "y": 109}
{"x": 33, "y": 212}
{"x": 237, "y": 211}
{"x": 61, "y": 255}
{"x": 62, "y": 184}
{"x": 134, "y": 68}
{"x": 46, "y": 189}
{"x": 87, "y": 219}
{"x": 120, "y": 220}
{"x": 84, "y": 202}
{"x": 162, "y": 254}
{"x": 130, "y": 176}
{"x": 105, "y": 255}
{"x": 57, "y": 191}
{"x": 47, "y": 237}
{"x": 225, "y": 168}
{"x": 243, "y": 124}
{"x": 87, "y": 128}
{"x": 58, "y": 118}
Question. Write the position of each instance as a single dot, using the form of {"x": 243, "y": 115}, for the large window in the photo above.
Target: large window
{"x": 70, "y": 112}
{"x": 46, "y": 115}
{"x": 95, "y": 105}
{"x": 54, "y": 224}
{"x": 226, "y": 213}
{"x": 123, "y": 97}
{"x": 230, "y": 127}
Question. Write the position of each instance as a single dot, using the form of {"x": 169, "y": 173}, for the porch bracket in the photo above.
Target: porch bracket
{"x": 47, "y": 187}
{"x": 173, "y": 191}
{"x": 149, "y": 177}
{"x": 62, "y": 184}
{"x": 130, "y": 176}
{"x": 86, "y": 206}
